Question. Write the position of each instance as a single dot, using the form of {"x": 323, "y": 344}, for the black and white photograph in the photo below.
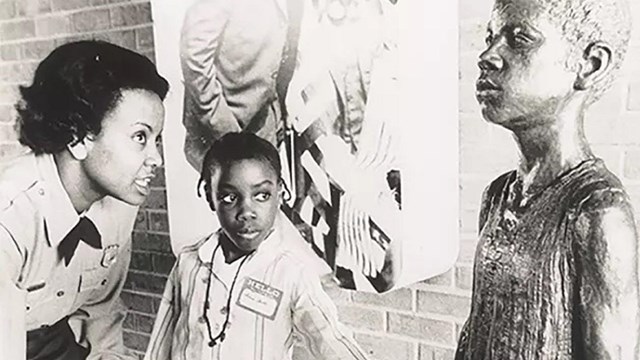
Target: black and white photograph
{"x": 319, "y": 179}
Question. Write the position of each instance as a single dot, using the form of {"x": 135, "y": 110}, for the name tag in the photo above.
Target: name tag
{"x": 259, "y": 298}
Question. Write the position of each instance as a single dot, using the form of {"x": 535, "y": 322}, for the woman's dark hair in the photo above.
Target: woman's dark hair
{"x": 233, "y": 147}
{"x": 75, "y": 87}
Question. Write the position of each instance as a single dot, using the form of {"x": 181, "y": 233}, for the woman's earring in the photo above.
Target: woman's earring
{"x": 78, "y": 149}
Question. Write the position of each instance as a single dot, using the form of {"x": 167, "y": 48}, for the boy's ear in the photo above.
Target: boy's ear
{"x": 284, "y": 191}
{"x": 594, "y": 66}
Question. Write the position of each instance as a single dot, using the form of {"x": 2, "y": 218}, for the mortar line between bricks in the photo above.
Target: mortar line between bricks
{"x": 447, "y": 291}
{"x": 137, "y": 332}
{"x": 437, "y": 345}
{"x": 414, "y": 300}
{"x": 393, "y": 336}
{"x": 137, "y": 292}
{"x": 157, "y": 211}
{"x": 67, "y": 12}
{"x": 135, "y": 312}
{"x": 439, "y": 317}
{"x": 376, "y": 307}
{"x": 416, "y": 351}
{"x": 430, "y": 316}
{"x": 139, "y": 272}
{"x": 154, "y": 232}
{"x": 74, "y": 34}
{"x": 152, "y": 252}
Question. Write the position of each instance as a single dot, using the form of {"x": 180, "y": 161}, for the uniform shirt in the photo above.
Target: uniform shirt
{"x": 275, "y": 296}
{"x": 36, "y": 287}
{"x": 230, "y": 54}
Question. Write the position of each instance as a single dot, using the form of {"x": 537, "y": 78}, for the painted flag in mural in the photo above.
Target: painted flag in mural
{"x": 340, "y": 164}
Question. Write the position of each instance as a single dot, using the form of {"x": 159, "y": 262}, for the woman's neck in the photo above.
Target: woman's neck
{"x": 75, "y": 182}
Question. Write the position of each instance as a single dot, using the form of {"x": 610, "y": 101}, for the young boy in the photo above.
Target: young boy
{"x": 242, "y": 292}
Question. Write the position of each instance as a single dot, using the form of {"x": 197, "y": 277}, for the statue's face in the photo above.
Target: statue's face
{"x": 524, "y": 78}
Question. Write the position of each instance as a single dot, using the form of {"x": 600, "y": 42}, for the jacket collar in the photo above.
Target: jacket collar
{"x": 282, "y": 5}
{"x": 267, "y": 249}
{"x": 285, "y": 238}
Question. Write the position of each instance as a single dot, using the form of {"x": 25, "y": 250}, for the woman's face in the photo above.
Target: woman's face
{"x": 122, "y": 158}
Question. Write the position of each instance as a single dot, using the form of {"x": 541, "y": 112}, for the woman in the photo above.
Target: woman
{"x": 555, "y": 274}
{"x": 92, "y": 118}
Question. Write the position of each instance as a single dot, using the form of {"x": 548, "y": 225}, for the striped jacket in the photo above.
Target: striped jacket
{"x": 275, "y": 301}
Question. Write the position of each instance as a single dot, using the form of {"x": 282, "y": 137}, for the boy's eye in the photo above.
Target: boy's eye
{"x": 228, "y": 198}
{"x": 140, "y": 137}
{"x": 488, "y": 39}
{"x": 519, "y": 39}
{"x": 263, "y": 196}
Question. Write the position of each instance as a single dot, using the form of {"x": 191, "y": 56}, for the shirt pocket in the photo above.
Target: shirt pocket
{"x": 37, "y": 293}
{"x": 93, "y": 279}
{"x": 46, "y": 305}
{"x": 97, "y": 267}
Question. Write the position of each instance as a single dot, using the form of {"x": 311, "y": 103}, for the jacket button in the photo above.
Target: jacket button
{"x": 60, "y": 293}
{"x": 41, "y": 191}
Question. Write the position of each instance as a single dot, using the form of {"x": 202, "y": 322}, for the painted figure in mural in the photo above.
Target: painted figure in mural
{"x": 245, "y": 289}
{"x": 231, "y": 53}
{"x": 344, "y": 169}
{"x": 555, "y": 273}
{"x": 92, "y": 118}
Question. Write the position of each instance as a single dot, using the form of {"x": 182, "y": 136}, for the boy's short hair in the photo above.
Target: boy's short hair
{"x": 585, "y": 22}
{"x": 233, "y": 147}
{"x": 73, "y": 89}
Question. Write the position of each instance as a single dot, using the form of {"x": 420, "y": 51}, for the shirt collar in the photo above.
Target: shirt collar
{"x": 59, "y": 214}
{"x": 265, "y": 250}
{"x": 282, "y": 5}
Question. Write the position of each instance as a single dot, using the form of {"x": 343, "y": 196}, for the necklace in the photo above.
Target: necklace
{"x": 221, "y": 335}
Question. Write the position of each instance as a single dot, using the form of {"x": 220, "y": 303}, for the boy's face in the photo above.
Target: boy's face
{"x": 524, "y": 78}
{"x": 246, "y": 195}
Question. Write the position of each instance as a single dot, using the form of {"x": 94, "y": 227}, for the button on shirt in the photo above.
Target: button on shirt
{"x": 304, "y": 309}
{"x": 37, "y": 288}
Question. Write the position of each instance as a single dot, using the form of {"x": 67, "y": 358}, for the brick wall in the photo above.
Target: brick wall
{"x": 29, "y": 30}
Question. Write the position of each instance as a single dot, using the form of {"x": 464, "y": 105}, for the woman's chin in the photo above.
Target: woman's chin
{"x": 135, "y": 199}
